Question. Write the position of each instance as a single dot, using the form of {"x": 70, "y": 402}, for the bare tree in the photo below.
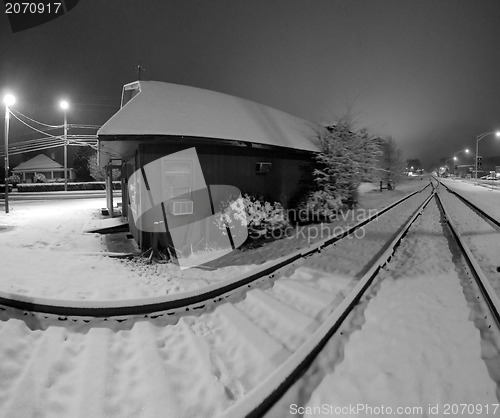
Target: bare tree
{"x": 392, "y": 163}
{"x": 97, "y": 172}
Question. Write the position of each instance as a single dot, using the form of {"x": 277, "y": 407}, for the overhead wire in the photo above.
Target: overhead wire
{"x": 49, "y": 141}
{"x": 31, "y": 127}
{"x": 33, "y": 120}
{"x": 51, "y": 127}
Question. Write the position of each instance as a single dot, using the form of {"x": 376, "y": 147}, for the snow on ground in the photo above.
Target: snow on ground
{"x": 418, "y": 346}
{"x": 203, "y": 364}
{"x": 143, "y": 368}
{"x": 104, "y": 370}
{"x": 485, "y": 197}
{"x": 45, "y": 253}
{"x": 480, "y": 236}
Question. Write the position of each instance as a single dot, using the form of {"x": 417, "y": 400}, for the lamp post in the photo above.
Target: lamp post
{"x": 466, "y": 150}
{"x": 64, "y": 106}
{"x": 478, "y": 138}
{"x": 8, "y": 100}
{"x": 446, "y": 167}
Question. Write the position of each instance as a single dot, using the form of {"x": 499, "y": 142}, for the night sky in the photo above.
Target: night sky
{"x": 425, "y": 72}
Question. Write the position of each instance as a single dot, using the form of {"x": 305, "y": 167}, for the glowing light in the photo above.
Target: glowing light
{"x": 9, "y": 100}
{"x": 64, "y": 104}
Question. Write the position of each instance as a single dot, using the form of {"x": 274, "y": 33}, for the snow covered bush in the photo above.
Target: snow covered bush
{"x": 320, "y": 206}
{"x": 59, "y": 186}
{"x": 14, "y": 179}
{"x": 262, "y": 219}
{"x": 39, "y": 178}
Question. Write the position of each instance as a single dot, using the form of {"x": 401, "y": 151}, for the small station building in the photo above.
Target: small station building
{"x": 260, "y": 150}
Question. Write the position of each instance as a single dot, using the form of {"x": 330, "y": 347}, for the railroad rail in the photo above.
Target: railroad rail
{"x": 259, "y": 401}
{"x": 472, "y": 205}
{"x": 474, "y": 267}
{"x": 187, "y": 302}
{"x": 296, "y": 360}
{"x": 265, "y": 396}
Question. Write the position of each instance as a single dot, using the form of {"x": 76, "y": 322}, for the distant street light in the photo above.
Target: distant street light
{"x": 64, "y": 106}
{"x": 466, "y": 150}
{"x": 478, "y": 138}
{"x": 8, "y": 101}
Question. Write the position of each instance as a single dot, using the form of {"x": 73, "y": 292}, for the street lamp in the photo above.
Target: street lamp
{"x": 466, "y": 150}
{"x": 8, "y": 101}
{"x": 478, "y": 138}
{"x": 64, "y": 105}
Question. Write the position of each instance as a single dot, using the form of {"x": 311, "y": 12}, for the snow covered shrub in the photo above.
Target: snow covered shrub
{"x": 14, "y": 179}
{"x": 232, "y": 215}
{"x": 261, "y": 218}
{"x": 58, "y": 186}
{"x": 320, "y": 206}
{"x": 39, "y": 178}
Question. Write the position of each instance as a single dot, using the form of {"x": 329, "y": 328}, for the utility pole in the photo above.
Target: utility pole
{"x": 65, "y": 153}
{"x": 139, "y": 69}
{"x": 8, "y": 100}
{"x": 478, "y": 138}
{"x": 64, "y": 106}
{"x": 6, "y": 161}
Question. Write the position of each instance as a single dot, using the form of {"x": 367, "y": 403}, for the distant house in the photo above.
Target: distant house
{"x": 260, "y": 150}
{"x": 41, "y": 164}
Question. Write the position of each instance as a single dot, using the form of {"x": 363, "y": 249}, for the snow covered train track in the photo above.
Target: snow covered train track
{"x": 198, "y": 363}
{"x": 234, "y": 360}
{"x": 283, "y": 390}
{"x": 191, "y": 301}
{"x": 477, "y": 234}
{"x": 476, "y": 208}
{"x": 263, "y": 397}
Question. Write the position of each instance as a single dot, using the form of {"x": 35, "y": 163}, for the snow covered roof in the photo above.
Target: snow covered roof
{"x": 39, "y": 162}
{"x": 157, "y": 108}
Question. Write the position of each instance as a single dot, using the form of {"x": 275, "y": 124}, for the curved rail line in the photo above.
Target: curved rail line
{"x": 263, "y": 397}
{"x": 187, "y": 301}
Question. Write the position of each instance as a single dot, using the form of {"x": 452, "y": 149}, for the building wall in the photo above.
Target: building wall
{"x": 236, "y": 166}
{"x": 228, "y": 165}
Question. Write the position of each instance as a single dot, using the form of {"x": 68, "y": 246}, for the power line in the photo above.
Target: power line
{"x": 33, "y": 120}
{"x": 49, "y": 141}
{"x": 31, "y": 127}
{"x": 44, "y": 143}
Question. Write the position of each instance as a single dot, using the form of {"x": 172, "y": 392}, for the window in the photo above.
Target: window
{"x": 129, "y": 91}
{"x": 177, "y": 179}
{"x": 263, "y": 168}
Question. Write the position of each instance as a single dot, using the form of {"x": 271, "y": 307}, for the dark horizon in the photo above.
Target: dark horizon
{"x": 425, "y": 73}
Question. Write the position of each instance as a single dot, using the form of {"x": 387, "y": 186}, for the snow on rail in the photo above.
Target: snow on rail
{"x": 264, "y": 396}
{"x": 487, "y": 290}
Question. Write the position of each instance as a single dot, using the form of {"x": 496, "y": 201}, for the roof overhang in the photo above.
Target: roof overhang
{"x": 168, "y": 110}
